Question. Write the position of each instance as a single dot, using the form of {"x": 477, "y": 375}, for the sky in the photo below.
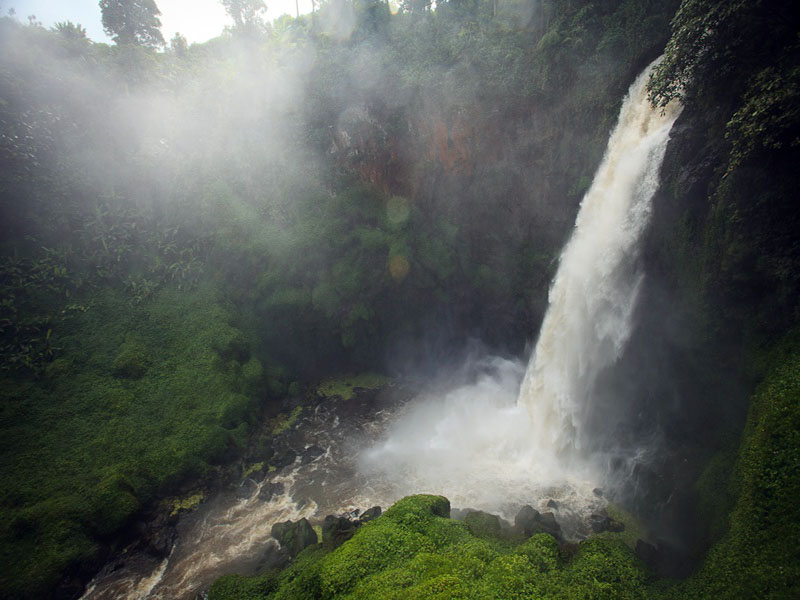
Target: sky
{"x": 197, "y": 20}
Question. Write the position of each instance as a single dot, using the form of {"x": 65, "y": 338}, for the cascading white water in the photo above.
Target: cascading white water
{"x": 594, "y": 293}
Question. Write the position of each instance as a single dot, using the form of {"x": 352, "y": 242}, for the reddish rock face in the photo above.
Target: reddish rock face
{"x": 450, "y": 141}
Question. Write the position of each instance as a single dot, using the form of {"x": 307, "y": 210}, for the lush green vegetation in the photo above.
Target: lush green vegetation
{"x": 758, "y": 556}
{"x": 415, "y": 551}
{"x": 139, "y": 399}
{"x": 188, "y": 236}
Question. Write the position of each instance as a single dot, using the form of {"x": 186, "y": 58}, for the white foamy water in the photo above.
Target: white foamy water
{"x": 510, "y": 439}
{"x": 472, "y": 445}
{"x": 593, "y": 296}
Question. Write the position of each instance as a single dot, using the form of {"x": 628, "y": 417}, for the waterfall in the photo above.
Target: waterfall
{"x": 511, "y": 435}
{"x": 593, "y": 295}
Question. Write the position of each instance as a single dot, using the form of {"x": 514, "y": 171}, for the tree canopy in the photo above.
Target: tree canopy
{"x": 132, "y": 22}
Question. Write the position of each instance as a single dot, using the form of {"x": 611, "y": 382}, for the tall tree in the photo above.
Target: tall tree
{"x": 132, "y": 22}
{"x": 246, "y": 14}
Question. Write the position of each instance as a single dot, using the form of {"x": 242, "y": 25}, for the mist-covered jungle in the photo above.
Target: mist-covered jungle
{"x": 481, "y": 299}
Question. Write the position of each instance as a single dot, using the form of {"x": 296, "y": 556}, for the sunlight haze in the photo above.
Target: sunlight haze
{"x": 197, "y": 20}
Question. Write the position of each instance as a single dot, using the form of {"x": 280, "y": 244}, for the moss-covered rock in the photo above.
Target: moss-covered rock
{"x": 482, "y": 524}
{"x": 346, "y": 385}
{"x": 295, "y": 536}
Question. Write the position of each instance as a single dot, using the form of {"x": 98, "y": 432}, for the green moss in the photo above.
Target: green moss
{"x": 483, "y": 525}
{"x": 186, "y": 504}
{"x": 283, "y": 423}
{"x": 346, "y": 385}
{"x": 252, "y": 371}
{"x": 59, "y": 368}
{"x": 252, "y": 469}
{"x": 605, "y": 569}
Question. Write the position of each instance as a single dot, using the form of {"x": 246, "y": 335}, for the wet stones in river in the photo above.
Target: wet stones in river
{"x": 283, "y": 459}
{"x": 269, "y": 490}
{"x": 600, "y": 523}
{"x": 530, "y": 521}
{"x": 311, "y": 453}
{"x": 295, "y": 536}
{"x": 337, "y": 530}
{"x": 552, "y": 504}
{"x": 246, "y": 489}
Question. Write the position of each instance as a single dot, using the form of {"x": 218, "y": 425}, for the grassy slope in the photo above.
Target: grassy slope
{"x": 139, "y": 398}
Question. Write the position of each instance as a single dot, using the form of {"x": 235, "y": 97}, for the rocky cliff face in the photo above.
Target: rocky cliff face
{"x": 511, "y": 166}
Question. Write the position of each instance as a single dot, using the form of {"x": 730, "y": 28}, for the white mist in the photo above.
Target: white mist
{"x": 511, "y": 438}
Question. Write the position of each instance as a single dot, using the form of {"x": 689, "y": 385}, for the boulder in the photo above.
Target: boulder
{"x": 311, "y": 453}
{"x": 295, "y": 536}
{"x": 600, "y": 523}
{"x": 337, "y": 530}
{"x": 159, "y": 534}
{"x": 283, "y": 459}
{"x": 552, "y": 504}
{"x": 482, "y": 524}
{"x": 370, "y": 513}
{"x": 247, "y": 489}
{"x": 270, "y": 489}
{"x": 530, "y": 521}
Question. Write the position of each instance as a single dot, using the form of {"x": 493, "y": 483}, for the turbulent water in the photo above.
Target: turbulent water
{"x": 494, "y": 437}
{"x": 594, "y": 293}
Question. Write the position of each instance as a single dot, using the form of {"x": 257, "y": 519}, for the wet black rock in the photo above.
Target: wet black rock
{"x": 158, "y": 534}
{"x": 337, "y": 530}
{"x": 246, "y": 489}
{"x": 597, "y": 492}
{"x": 160, "y": 542}
{"x": 312, "y": 453}
{"x": 600, "y": 523}
{"x": 530, "y": 521}
{"x": 283, "y": 459}
{"x": 295, "y": 536}
{"x": 269, "y": 490}
{"x": 370, "y": 513}
{"x": 552, "y": 504}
